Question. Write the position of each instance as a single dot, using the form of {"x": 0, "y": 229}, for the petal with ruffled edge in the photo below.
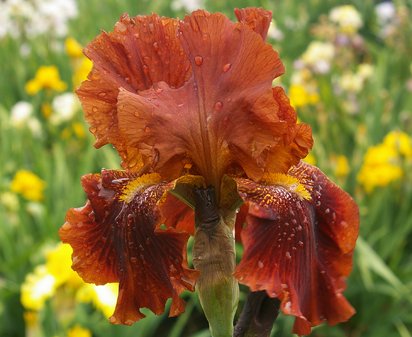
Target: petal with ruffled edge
{"x": 114, "y": 239}
{"x": 139, "y": 52}
{"x": 299, "y": 239}
{"x": 257, "y": 19}
{"x": 209, "y": 115}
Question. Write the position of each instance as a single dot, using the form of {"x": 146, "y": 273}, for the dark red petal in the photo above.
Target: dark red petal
{"x": 300, "y": 250}
{"x": 139, "y": 52}
{"x": 177, "y": 214}
{"x": 256, "y": 18}
{"x": 114, "y": 240}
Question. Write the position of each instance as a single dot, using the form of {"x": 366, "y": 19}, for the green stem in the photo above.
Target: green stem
{"x": 214, "y": 257}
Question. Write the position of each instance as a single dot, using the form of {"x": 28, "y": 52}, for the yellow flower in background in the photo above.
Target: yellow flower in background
{"x": 78, "y": 129}
{"x": 310, "y": 159}
{"x": 29, "y": 185}
{"x": 73, "y": 48}
{"x": 401, "y": 141}
{"x": 47, "y": 77}
{"x": 341, "y": 166}
{"x": 81, "y": 70}
{"x": 103, "y": 297}
{"x": 78, "y": 331}
{"x": 58, "y": 264}
{"x": 300, "y": 96}
{"x": 38, "y": 286}
{"x": 382, "y": 163}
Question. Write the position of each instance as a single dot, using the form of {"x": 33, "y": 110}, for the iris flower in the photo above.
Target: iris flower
{"x": 208, "y": 149}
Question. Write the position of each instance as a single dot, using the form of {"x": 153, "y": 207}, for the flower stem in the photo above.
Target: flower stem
{"x": 214, "y": 257}
{"x": 258, "y": 315}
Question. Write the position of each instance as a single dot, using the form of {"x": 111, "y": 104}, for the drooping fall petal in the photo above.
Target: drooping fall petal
{"x": 114, "y": 239}
{"x": 219, "y": 112}
{"x": 299, "y": 239}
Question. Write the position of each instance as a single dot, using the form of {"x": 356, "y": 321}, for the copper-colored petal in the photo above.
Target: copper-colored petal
{"x": 299, "y": 245}
{"x": 225, "y": 114}
{"x": 256, "y": 18}
{"x": 114, "y": 240}
{"x": 177, "y": 214}
{"x": 139, "y": 52}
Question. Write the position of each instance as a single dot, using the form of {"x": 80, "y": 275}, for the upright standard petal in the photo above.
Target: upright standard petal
{"x": 114, "y": 239}
{"x": 299, "y": 239}
{"x": 139, "y": 52}
{"x": 205, "y": 100}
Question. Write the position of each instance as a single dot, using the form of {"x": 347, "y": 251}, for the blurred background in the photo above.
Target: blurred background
{"x": 348, "y": 74}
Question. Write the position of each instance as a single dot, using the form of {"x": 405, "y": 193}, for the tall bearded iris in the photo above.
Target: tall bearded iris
{"x": 209, "y": 149}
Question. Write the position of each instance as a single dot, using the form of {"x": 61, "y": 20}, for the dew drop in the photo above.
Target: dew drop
{"x": 121, "y": 27}
{"x": 218, "y": 106}
{"x": 227, "y": 67}
{"x": 300, "y": 243}
{"x": 288, "y": 256}
{"x": 147, "y": 129}
{"x": 299, "y": 228}
{"x": 318, "y": 203}
{"x": 102, "y": 94}
{"x": 94, "y": 109}
{"x": 286, "y": 224}
{"x": 327, "y": 211}
{"x": 260, "y": 264}
{"x": 198, "y": 60}
{"x": 155, "y": 45}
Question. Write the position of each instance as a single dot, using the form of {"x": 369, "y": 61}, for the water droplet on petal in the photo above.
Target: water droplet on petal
{"x": 94, "y": 109}
{"x": 218, "y": 106}
{"x": 226, "y": 67}
{"x": 155, "y": 45}
{"x": 300, "y": 243}
{"x": 102, "y": 94}
{"x": 327, "y": 210}
{"x": 199, "y": 60}
{"x": 299, "y": 228}
{"x": 288, "y": 256}
{"x": 260, "y": 264}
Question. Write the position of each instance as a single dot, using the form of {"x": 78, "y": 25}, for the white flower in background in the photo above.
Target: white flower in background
{"x": 274, "y": 32}
{"x": 385, "y": 12}
{"x": 22, "y": 117}
{"x": 187, "y": 5}
{"x": 347, "y": 18}
{"x": 10, "y": 201}
{"x": 318, "y": 56}
{"x": 64, "y": 107}
{"x": 387, "y": 18}
{"x": 21, "y": 112}
{"x": 355, "y": 82}
{"x": 351, "y": 82}
{"x": 365, "y": 70}
{"x": 36, "y": 17}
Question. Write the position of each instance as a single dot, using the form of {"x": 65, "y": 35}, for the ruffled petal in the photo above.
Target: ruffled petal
{"x": 197, "y": 92}
{"x": 257, "y": 19}
{"x": 299, "y": 239}
{"x": 114, "y": 239}
{"x": 139, "y": 52}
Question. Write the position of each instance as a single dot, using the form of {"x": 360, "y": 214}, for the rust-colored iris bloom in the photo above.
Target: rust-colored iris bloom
{"x": 194, "y": 97}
